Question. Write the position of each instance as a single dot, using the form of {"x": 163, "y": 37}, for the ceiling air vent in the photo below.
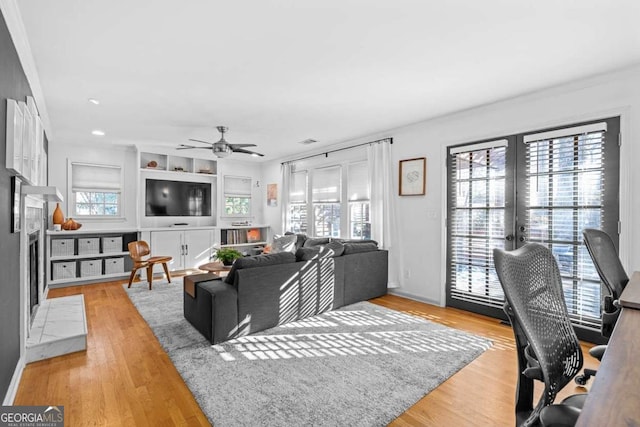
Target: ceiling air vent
{"x": 308, "y": 141}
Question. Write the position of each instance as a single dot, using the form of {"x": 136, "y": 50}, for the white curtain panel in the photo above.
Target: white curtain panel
{"x": 285, "y": 179}
{"x": 383, "y": 209}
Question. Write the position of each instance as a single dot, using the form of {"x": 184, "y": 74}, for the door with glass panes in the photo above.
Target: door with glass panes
{"x": 545, "y": 187}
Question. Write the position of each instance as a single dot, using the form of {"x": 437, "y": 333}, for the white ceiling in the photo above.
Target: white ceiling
{"x": 281, "y": 71}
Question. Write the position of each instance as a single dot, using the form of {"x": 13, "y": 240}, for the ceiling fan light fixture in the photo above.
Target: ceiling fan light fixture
{"x": 221, "y": 150}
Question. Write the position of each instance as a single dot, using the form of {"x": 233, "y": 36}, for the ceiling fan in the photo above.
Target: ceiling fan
{"x": 222, "y": 148}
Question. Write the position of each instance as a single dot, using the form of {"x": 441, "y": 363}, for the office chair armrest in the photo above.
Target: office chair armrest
{"x": 597, "y": 351}
{"x": 559, "y": 416}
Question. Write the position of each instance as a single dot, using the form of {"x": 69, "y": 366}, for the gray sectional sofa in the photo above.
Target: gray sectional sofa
{"x": 268, "y": 290}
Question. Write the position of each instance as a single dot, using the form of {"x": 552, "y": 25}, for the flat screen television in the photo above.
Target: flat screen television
{"x": 177, "y": 198}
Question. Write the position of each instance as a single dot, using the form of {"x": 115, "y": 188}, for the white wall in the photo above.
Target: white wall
{"x": 422, "y": 219}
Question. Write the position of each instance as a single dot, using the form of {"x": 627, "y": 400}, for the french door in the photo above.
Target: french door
{"x": 544, "y": 186}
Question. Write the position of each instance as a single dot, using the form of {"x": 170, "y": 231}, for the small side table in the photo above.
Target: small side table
{"x": 192, "y": 280}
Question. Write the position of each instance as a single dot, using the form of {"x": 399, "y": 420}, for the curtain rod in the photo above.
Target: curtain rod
{"x": 326, "y": 153}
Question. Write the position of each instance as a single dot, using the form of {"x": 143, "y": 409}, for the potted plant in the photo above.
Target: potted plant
{"x": 227, "y": 255}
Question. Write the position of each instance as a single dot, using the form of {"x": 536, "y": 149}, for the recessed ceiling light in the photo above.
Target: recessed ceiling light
{"x": 308, "y": 141}
{"x": 98, "y": 132}
{"x": 94, "y": 101}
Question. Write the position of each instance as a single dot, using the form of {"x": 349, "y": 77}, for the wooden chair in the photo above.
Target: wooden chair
{"x": 139, "y": 250}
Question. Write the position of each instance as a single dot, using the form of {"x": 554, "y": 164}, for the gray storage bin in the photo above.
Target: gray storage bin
{"x": 88, "y": 245}
{"x": 62, "y": 247}
{"x": 90, "y": 267}
{"x": 114, "y": 265}
{"x": 111, "y": 244}
{"x": 64, "y": 270}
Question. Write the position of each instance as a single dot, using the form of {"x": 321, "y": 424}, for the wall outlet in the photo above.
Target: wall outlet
{"x": 407, "y": 273}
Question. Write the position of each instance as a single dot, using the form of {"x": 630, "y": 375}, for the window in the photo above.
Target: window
{"x": 330, "y": 200}
{"x": 326, "y": 195}
{"x": 96, "y": 190}
{"x": 297, "y": 213}
{"x": 358, "y": 195}
{"x": 237, "y": 196}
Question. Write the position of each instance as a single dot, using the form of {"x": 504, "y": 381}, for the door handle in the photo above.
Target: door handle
{"x": 523, "y": 228}
{"x": 522, "y": 239}
{"x": 186, "y": 249}
{"x": 508, "y": 237}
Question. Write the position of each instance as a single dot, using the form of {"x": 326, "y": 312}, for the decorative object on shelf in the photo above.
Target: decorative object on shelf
{"x": 70, "y": 224}
{"x": 227, "y": 255}
{"x": 178, "y": 169}
{"x": 253, "y": 235}
{"x": 272, "y": 195}
{"x": 58, "y": 216}
{"x": 413, "y": 177}
{"x": 152, "y": 164}
{"x": 222, "y": 148}
{"x": 240, "y": 223}
{"x": 207, "y": 171}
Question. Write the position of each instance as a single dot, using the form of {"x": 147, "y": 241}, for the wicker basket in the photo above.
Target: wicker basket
{"x": 62, "y": 247}
{"x": 111, "y": 244}
{"x": 90, "y": 267}
{"x": 114, "y": 265}
{"x": 88, "y": 246}
{"x": 64, "y": 270}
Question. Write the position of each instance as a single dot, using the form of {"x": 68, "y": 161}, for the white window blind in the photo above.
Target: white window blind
{"x": 326, "y": 185}
{"x": 477, "y": 215}
{"x": 89, "y": 177}
{"x": 358, "y": 181}
{"x": 237, "y": 186}
{"x": 298, "y": 187}
{"x": 565, "y": 187}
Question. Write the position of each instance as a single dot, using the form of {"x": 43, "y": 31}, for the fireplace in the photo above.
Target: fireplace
{"x": 34, "y": 261}
{"x": 34, "y": 271}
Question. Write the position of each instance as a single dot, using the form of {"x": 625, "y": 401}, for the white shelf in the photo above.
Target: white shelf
{"x": 156, "y": 170}
{"x": 169, "y": 163}
{"x": 100, "y": 277}
{"x": 100, "y": 255}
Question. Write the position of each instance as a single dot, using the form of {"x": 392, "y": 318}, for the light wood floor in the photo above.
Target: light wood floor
{"x": 125, "y": 378}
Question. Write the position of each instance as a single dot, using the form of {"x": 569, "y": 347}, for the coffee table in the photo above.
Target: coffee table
{"x": 216, "y": 267}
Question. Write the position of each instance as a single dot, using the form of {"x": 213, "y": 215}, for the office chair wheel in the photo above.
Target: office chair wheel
{"x": 581, "y": 379}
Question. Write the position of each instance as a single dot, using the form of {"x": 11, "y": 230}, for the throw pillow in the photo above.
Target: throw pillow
{"x": 307, "y": 254}
{"x": 284, "y": 243}
{"x": 258, "y": 261}
{"x": 300, "y": 238}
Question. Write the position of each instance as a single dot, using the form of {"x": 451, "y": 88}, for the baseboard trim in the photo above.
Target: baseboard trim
{"x": 413, "y": 297}
{"x": 13, "y": 385}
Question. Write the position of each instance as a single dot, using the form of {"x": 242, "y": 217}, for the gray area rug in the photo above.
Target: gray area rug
{"x": 362, "y": 365}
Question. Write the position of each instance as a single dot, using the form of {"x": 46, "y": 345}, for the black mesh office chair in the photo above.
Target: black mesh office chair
{"x": 547, "y": 346}
{"x": 605, "y": 258}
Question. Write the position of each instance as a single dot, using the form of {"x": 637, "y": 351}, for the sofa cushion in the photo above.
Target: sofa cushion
{"x": 355, "y": 241}
{"x": 331, "y": 249}
{"x": 354, "y": 248}
{"x": 286, "y": 243}
{"x": 336, "y": 248}
{"x": 259, "y": 261}
{"x": 315, "y": 241}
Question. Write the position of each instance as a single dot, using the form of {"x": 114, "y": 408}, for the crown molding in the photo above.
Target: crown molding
{"x": 13, "y": 19}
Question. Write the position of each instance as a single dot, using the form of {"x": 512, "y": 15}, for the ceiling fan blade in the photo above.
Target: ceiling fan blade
{"x": 205, "y": 142}
{"x": 241, "y": 150}
{"x": 241, "y": 145}
{"x": 190, "y": 147}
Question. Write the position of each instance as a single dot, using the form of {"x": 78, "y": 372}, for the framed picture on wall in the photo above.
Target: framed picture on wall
{"x": 413, "y": 177}
{"x": 272, "y": 195}
{"x": 16, "y": 185}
